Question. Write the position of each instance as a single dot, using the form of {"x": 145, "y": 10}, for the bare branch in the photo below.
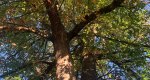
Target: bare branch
{"x": 16, "y": 70}
{"x": 125, "y": 42}
{"x": 128, "y": 70}
{"x": 42, "y": 33}
{"x": 109, "y": 72}
{"x": 88, "y": 18}
{"x": 51, "y": 65}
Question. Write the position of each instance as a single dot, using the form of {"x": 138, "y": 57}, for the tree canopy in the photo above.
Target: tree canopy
{"x": 74, "y": 40}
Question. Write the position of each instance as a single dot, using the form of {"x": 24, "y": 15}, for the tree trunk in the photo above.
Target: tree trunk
{"x": 89, "y": 68}
{"x": 64, "y": 66}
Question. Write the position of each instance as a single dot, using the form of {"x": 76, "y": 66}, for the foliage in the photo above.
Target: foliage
{"x": 119, "y": 39}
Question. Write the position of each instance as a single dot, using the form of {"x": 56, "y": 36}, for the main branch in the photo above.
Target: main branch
{"x": 88, "y": 18}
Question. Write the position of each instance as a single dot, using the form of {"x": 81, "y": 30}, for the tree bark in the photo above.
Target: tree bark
{"x": 89, "y": 68}
{"x": 64, "y": 66}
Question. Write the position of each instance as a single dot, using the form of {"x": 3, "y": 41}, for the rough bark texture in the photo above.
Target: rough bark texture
{"x": 89, "y": 68}
{"x": 64, "y": 67}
